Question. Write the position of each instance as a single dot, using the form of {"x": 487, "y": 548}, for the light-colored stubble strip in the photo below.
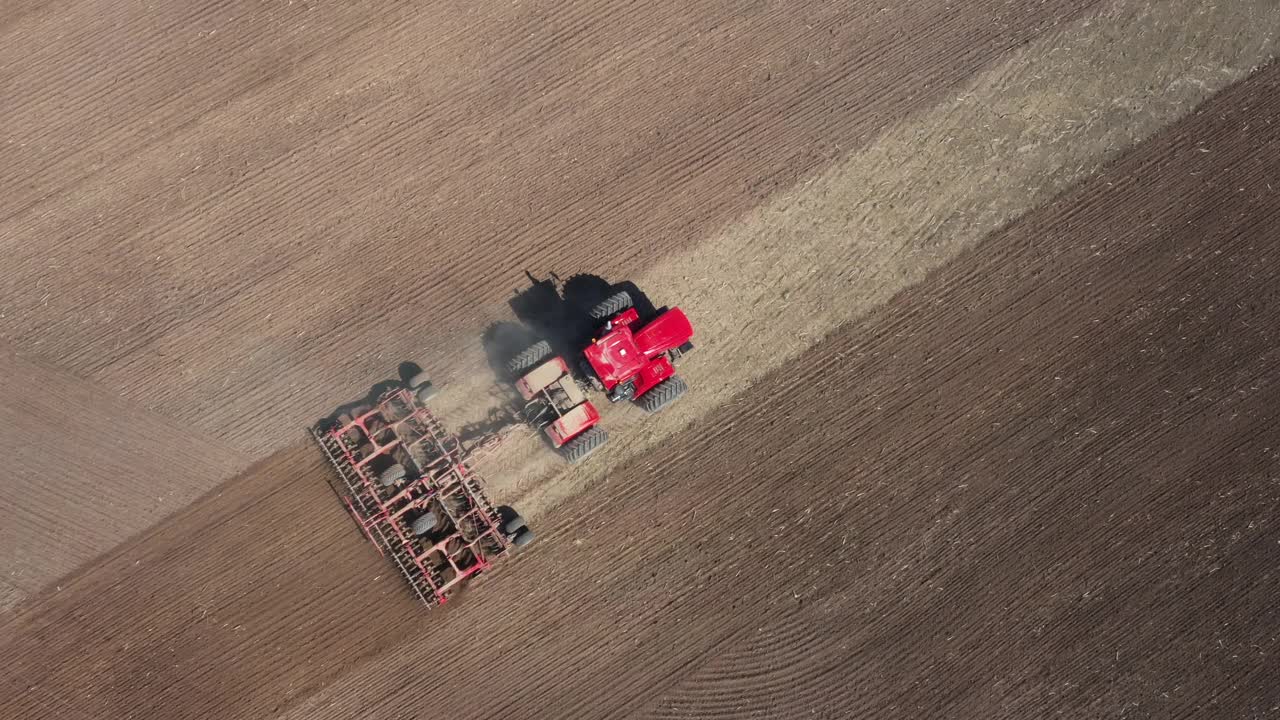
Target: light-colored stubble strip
{"x": 775, "y": 282}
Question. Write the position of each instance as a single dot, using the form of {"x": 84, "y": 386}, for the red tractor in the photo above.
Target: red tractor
{"x": 626, "y": 359}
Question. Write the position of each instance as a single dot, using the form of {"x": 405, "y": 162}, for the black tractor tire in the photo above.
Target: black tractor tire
{"x": 663, "y": 394}
{"x": 391, "y": 475}
{"x": 529, "y": 358}
{"x": 422, "y": 378}
{"x": 588, "y": 442}
{"x": 611, "y": 305}
{"x": 424, "y": 523}
{"x": 522, "y": 538}
{"x": 512, "y": 526}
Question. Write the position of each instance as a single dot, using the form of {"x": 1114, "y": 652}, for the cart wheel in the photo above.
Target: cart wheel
{"x": 513, "y": 525}
{"x": 426, "y": 393}
{"x": 522, "y": 538}
{"x": 391, "y": 475}
{"x": 424, "y": 523}
{"x": 611, "y": 305}
{"x": 422, "y": 378}
{"x": 530, "y": 358}
{"x": 663, "y": 394}
{"x": 588, "y": 442}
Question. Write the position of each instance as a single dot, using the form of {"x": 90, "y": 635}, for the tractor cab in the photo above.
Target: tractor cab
{"x": 629, "y": 362}
{"x": 616, "y": 355}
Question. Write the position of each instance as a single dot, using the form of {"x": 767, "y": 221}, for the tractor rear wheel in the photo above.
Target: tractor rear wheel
{"x": 513, "y": 525}
{"x": 529, "y": 358}
{"x": 611, "y": 305}
{"x": 585, "y": 444}
{"x": 424, "y": 523}
{"x": 663, "y": 394}
{"x": 422, "y": 378}
{"x": 391, "y": 475}
{"x": 522, "y": 538}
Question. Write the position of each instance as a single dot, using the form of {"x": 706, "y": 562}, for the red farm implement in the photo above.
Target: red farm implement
{"x": 626, "y": 358}
{"x": 411, "y": 487}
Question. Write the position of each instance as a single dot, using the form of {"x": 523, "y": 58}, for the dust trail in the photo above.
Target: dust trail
{"x": 774, "y": 283}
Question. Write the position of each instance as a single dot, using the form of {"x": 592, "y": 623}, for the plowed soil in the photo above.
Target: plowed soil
{"x": 86, "y": 468}
{"x": 1042, "y": 480}
{"x": 244, "y": 265}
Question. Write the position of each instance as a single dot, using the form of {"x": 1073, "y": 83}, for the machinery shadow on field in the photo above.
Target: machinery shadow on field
{"x": 558, "y": 312}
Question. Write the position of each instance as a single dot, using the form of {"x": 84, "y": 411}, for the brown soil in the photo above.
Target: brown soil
{"x": 285, "y": 204}
{"x": 1042, "y": 482}
{"x": 235, "y": 217}
{"x": 84, "y": 470}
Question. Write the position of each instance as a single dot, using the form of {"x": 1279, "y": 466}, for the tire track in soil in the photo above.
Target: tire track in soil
{"x": 17, "y": 10}
{"x": 1071, "y": 424}
{"x": 211, "y": 323}
{"x": 82, "y": 470}
{"x": 752, "y": 666}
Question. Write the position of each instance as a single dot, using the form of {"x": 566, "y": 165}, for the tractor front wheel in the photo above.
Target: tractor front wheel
{"x": 514, "y": 525}
{"x": 663, "y": 394}
{"x": 611, "y": 305}
{"x": 588, "y": 442}
{"x": 522, "y": 538}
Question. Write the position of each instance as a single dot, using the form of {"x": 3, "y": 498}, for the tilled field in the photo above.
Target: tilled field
{"x": 1001, "y": 439}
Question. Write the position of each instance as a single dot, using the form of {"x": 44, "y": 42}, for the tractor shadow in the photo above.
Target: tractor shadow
{"x": 494, "y": 422}
{"x": 558, "y": 312}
